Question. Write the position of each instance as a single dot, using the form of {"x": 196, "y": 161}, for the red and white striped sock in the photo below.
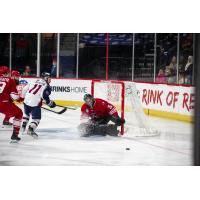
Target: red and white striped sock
{"x": 17, "y": 125}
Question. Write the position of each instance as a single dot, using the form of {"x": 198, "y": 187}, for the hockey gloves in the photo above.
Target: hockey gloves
{"x": 52, "y": 104}
{"x": 118, "y": 121}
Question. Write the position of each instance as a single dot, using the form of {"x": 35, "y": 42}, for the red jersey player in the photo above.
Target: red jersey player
{"x": 98, "y": 113}
{"x": 15, "y": 75}
{"x": 8, "y": 92}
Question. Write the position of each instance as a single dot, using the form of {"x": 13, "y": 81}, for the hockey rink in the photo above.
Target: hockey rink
{"x": 60, "y": 144}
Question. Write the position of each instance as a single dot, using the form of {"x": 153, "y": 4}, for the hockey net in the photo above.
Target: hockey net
{"x": 124, "y": 96}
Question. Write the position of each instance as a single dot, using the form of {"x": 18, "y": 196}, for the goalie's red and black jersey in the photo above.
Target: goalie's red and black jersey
{"x": 101, "y": 109}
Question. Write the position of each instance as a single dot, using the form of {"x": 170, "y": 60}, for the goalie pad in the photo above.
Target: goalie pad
{"x": 87, "y": 130}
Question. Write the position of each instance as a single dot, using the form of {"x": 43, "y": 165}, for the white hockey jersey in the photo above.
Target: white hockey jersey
{"x": 33, "y": 92}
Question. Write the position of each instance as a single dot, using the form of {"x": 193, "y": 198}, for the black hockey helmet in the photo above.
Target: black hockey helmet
{"x": 89, "y": 100}
{"x": 87, "y": 96}
{"x": 46, "y": 76}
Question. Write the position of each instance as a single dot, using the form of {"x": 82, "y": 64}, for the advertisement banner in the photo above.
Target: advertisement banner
{"x": 66, "y": 89}
{"x": 169, "y": 98}
{"x": 162, "y": 97}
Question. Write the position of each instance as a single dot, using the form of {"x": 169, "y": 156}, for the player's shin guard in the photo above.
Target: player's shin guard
{"x": 17, "y": 120}
{"x": 24, "y": 123}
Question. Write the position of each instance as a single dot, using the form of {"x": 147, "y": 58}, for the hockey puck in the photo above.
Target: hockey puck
{"x": 127, "y": 148}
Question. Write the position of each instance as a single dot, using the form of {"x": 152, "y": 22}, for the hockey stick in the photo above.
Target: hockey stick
{"x": 70, "y": 108}
{"x": 64, "y": 108}
{"x": 57, "y": 112}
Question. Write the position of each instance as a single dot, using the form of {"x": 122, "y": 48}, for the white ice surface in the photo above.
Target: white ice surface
{"x": 60, "y": 144}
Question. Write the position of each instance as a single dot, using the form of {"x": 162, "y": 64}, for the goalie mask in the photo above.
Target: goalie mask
{"x": 89, "y": 100}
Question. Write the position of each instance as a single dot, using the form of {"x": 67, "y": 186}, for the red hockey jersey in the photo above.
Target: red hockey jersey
{"x": 101, "y": 109}
{"x": 8, "y": 90}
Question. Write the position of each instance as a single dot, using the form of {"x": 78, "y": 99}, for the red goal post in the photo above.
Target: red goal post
{"x": 111, "y": 91}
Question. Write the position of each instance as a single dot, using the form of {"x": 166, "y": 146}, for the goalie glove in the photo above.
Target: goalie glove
{"x": 118, "y": 121}
{"x": 52, "y": 104}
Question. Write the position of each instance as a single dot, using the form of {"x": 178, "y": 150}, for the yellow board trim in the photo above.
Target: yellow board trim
{"x": 157, "y": 113}
{"x": 69, "y": 103}
{"x": 169, "y": 115}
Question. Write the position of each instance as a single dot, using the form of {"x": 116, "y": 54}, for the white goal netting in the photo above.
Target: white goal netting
{"x": 126, "y": 99}
{"x": 137, "y": 121}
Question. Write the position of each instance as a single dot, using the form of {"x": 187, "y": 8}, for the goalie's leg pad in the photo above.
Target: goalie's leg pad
{"x": 106, "y": 129}
{"x": 100, "y": 130}
{"x": 87, "y": 130}
{"x": 111, "y": 129}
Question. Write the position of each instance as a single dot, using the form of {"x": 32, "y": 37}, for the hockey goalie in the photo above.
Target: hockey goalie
{"x": 95, "y": 115}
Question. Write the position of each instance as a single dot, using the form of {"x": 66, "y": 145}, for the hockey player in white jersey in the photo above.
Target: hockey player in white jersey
{"x": 34, "y": 94}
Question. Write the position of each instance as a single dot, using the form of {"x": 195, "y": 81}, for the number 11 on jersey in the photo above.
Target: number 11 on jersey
{"x": 35, "y": 89}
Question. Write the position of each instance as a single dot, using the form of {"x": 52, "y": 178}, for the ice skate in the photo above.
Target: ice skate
{"x": 32, "y": 133}
{"x": 15, "y": 138}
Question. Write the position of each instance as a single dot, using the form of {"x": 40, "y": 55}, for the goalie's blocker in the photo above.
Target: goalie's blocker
{"x": 98, "y": 113}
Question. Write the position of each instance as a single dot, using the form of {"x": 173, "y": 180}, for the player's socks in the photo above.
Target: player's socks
{"x": 24, "y": 127}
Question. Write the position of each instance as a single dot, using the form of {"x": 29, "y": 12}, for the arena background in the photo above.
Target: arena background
{"x": 83, "y": 16}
